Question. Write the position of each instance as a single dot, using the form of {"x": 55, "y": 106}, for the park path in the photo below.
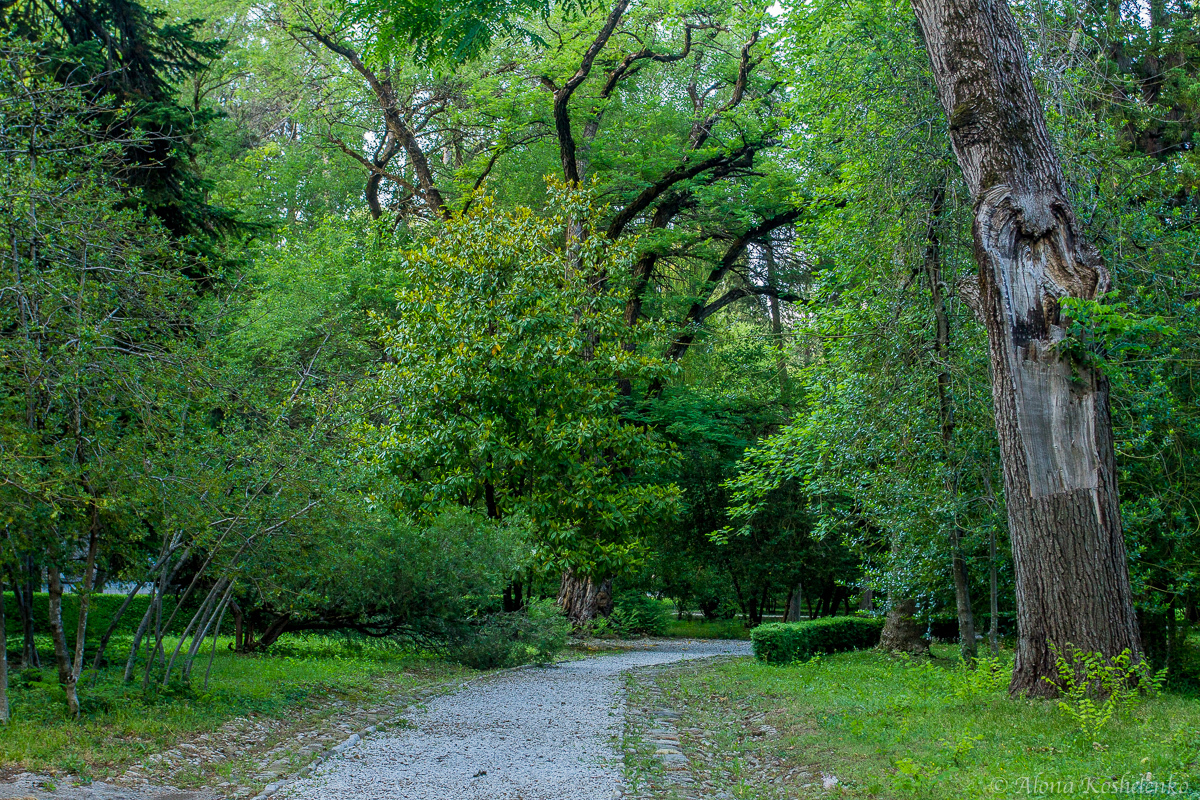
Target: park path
{"x": 529, "y": 734}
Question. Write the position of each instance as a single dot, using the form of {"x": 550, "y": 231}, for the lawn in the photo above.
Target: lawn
{"x": 123, "y": 723}
{"x": 866, "y": 724}
{"x": 707, "y": 629}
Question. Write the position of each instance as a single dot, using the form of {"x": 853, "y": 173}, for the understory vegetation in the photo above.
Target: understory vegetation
{"x": 350, "y": 344}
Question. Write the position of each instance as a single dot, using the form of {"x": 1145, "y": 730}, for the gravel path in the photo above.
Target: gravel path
{"x": 530, "y": 734}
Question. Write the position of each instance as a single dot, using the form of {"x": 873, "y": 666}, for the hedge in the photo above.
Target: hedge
{"x": 784, "y": 642}
{"x": 100, "y": 614}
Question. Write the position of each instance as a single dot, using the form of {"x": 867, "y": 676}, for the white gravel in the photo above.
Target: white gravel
{"x": 530, "y": 734}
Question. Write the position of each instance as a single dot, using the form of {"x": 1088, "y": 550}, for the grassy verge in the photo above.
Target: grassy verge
{"x": 866, "y": 724}
{"x": 707, "y": 629}
{"x": 122, "y": 724}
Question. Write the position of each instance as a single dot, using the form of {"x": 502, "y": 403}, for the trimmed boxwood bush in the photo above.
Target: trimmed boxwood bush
{"x": 783, "y": 642}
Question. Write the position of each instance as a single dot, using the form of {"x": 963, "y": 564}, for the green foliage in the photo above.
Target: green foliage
{"x": 1094, "y": 689}
{"x": 128, "y": 59}
{"x": 785, "y": 642}
{"x": 501, "y": 389}
{"x": 638, "y": 614}
{"x": 986, "y": 677}
{"x": 434, "y": 30}
{"x": 535, "y": 635}
{"x": 101, "y": 609}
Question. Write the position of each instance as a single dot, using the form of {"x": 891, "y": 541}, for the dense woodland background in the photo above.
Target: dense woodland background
{"x": 335, "y": 316}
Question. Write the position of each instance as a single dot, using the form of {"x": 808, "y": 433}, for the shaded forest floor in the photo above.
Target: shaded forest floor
{"x": 866, "y": 724}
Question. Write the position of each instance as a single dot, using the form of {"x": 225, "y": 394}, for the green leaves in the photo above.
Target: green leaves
{"x": 450, "y": 31}
{"x": 503, "y": 383}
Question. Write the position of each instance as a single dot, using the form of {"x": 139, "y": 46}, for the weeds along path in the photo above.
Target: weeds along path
{"x": 534, "y": 734}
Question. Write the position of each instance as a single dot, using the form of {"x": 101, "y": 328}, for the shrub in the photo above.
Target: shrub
{"x": 1094, "y": 689}
{"x": 637, "y": 614}
{"x": 533, "y": 636}
{"x": 784, "y": 642}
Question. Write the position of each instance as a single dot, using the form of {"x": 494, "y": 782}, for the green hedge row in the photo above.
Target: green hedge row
{"x": 784, "y": 642}
{"x": 103, "y": 607}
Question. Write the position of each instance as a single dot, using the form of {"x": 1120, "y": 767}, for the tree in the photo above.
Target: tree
{"x": 1052, "y": 410}
{"x": 500, "y": 392}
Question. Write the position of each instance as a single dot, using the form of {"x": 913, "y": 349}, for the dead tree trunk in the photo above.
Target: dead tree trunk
{"x": 1052, "y": 415}
{"x": 584, "y": 599}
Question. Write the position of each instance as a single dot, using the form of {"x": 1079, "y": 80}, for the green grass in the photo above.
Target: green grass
{"x": 122, "y": 723}
{"x": 707, "y": 629}
{"x": 890, "y": 727}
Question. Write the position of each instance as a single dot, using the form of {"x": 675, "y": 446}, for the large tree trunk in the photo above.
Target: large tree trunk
{"x": 795, "y": 606}
{"x": 900, "y": 631}
{"x": 1052, "y": 414}
{"x": 583, "y": 599}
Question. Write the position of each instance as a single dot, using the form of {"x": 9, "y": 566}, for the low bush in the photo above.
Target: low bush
{"x": 638, "y": 614}
{"x": 533, "y": 636}
{"x": 785, "y": 642}
{"x": 634, "y": 614}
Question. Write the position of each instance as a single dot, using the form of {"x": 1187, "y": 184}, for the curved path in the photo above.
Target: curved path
{"x": 530, "y": 734}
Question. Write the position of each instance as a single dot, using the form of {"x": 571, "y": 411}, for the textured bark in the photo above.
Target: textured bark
{"x": 85, "y": 598}
{"x": 583, "y": 599}
{"x": 795, "y": 606}
{"x": 1052, "y": 416}
{"x": 62, "y": 657}
{"x": 900, "y": 631}
{"x": 3, "y": 661}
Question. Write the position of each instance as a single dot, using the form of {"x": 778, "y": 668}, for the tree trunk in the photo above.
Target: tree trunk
{"x": 795, "y": 602}
{"x": 866, "y": 600}
{"x": 3, "y": 661}
{"x": 962, "y": 601}
{"x": 85, "y": 599}
{"x": 238, "y": 642}
{"x": 583, "y": 599}
{"x": 513, "y": 598}
{"x": 1052, "y": 413}
{"x": 941, "y": 351}
{"x": 994, "y": 622}
{"x": 777, "y": 327}
{"x": 24, "y": 595}
{"x": 900, "y": 630}
{"x": 62, "y": 656}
